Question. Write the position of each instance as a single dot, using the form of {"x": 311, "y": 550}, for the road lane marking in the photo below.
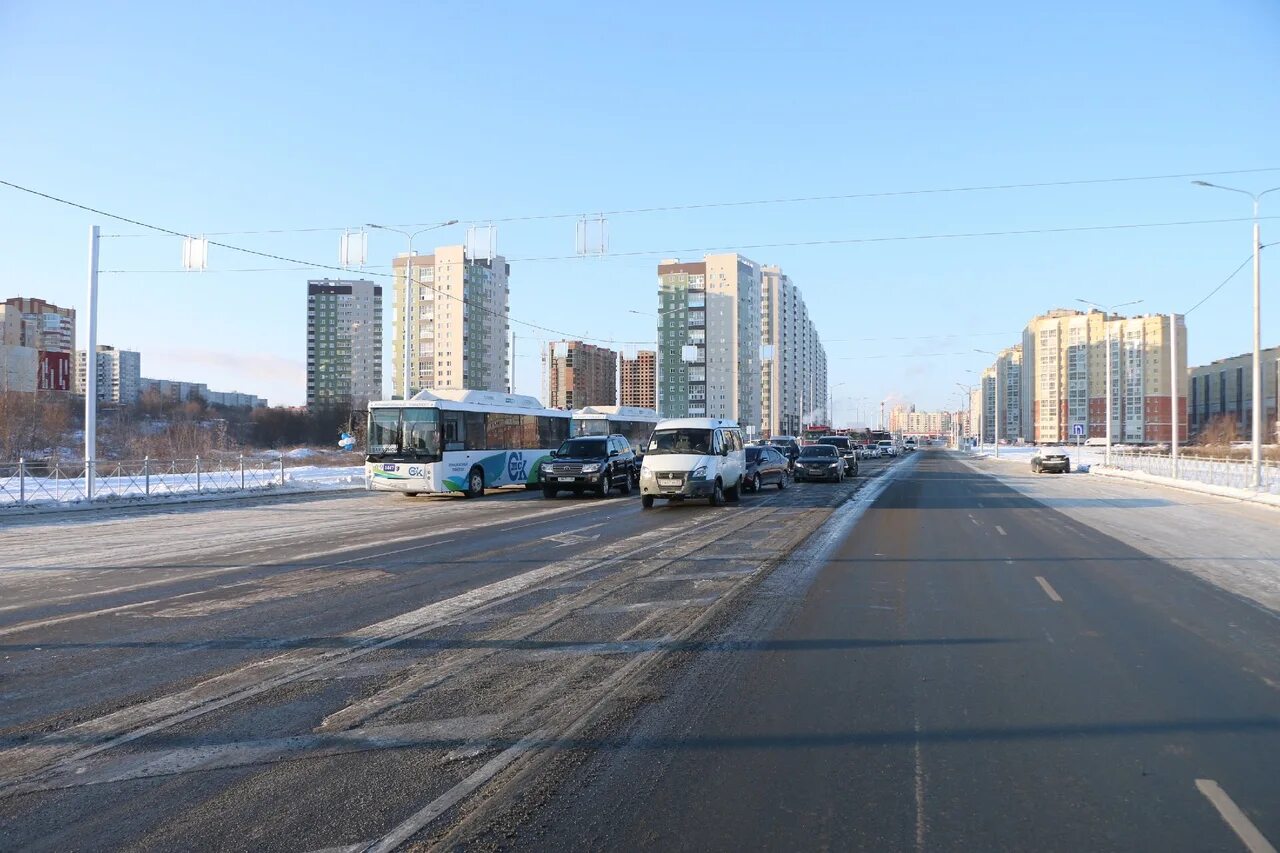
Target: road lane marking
{"x": 919, "y": 787}
{"x": 975, "y": 521}
{"x": 532, "y": 518}
{"x": 166, "y": 761}
{"x": 1253, "y": 840}
{"x": 1048, "y": 590}
{"x": 132, "y": 722}
{"x": 1000, "y": 530}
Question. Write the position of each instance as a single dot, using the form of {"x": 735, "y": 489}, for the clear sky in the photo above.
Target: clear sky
{"x": 258, "y": 116}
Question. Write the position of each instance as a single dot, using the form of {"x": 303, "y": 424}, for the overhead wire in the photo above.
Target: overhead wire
{"x": 320, "y": 266}
{"x": 674, "y": 208}
{"x": 1226, "y": 280}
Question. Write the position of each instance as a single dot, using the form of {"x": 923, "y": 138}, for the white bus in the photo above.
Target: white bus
{"x": 635, "y": 423}
{"x": 460, "y": 441}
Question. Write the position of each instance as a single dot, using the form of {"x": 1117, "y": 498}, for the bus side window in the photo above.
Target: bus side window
{"x": 474, "y": 434}
{"x": 453, "y": 430}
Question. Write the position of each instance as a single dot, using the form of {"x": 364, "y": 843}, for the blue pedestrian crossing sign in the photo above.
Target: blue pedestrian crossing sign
{"x": 1077, "y": 429}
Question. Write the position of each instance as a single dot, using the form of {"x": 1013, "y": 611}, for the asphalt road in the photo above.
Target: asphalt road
{"x": 337, "y": 671}
{"x": 921, "y": 659}
{"x": 968, "y": 670}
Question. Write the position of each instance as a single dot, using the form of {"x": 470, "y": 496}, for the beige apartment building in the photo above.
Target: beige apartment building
{"x": 793, "y": 386}
{"x": 709, "y": 339}
{"x": 37, "y": 345}
{"x": 580, "y": 375}
{"x": 458, "y": 324}
{"x": 1064, "y": 378}
{"x": 638, "y": 382}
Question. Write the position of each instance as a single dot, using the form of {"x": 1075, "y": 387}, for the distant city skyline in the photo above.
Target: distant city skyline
{"x": 871, "y": 107}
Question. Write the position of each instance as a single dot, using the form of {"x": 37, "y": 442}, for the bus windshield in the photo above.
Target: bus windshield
{"x": 583, "y": 426}
{"x": 410, "y": 431}
{"x": 384, "y": 431}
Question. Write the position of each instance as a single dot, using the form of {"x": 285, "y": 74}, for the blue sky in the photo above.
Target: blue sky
{"x": 280, "y": 116}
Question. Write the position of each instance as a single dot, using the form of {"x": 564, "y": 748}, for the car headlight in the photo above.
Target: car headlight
{"x": 591, "y": 468}
{"x": 699, "y": 473}
{"x": 834, "y": 465}
{"x": 646, "y": 474}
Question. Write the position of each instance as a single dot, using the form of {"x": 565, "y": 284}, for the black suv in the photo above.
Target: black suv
{"x": 595, "y": 462}
{"x": 788, "y": 446}
{"x": 846, "y": 449}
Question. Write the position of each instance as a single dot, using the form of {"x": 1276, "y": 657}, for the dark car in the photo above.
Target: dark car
{"x": 847, "y": 449}
{"x": 596, "y": 462}
{"x": 788, "y": 445}
{"x": 1051, "y": 459}
{"x": 766, "y": 466}
{"x": 820, "y": 462}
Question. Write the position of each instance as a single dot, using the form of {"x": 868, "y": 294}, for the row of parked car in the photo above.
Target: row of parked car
{"x": 699, "y": 458}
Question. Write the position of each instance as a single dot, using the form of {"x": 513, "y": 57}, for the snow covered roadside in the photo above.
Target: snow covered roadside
{"x": 181, "y": 489}
{"x": 1231, "y": 544}
{"x": 1249, "y": 495}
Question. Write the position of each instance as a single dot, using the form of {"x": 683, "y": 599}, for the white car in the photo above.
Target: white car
{"x": 693, "y": 458}
{"x": 887, "y": 448}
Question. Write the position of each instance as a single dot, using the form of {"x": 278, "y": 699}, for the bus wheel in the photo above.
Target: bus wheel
{"x": 410, "y": 494}
{"x": 475, "y": 483}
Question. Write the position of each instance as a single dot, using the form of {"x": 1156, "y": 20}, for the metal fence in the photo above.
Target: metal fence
{"x": 35, "y": 482}
{"x": 1214, "y": 472}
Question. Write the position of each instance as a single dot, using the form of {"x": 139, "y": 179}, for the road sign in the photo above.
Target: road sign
{"x": 1077, "y": 429}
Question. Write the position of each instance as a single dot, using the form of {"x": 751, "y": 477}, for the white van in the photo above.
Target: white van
{"x": 693, "y": 458}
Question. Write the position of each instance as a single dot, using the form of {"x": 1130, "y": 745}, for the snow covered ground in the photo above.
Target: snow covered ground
{"x": 1232, "y": 544}
{"x": 116, "y": 487}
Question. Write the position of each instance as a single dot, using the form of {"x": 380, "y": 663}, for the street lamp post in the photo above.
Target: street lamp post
{"x": 997, "y": 400}
{"x": 965, "y": 394}
{"x": 409, "y": 294}
{"x": 1107, "y": 311}
{"x": 831, "y": 403}
{"x": 968, "y": 398}
{"x": 1257, "y": 325}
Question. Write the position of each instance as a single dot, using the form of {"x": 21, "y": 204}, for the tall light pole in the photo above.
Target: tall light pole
{"x": 997, "y": 400}
{"x": 967, "y": 401}
{"x": 1107, "y": 311}
{"x": 1258, "y": 402}
{"x": 409, "y": 294}
{"x": 831, "y": 403}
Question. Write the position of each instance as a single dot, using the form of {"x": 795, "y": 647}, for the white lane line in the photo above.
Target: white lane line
{"x": 975, "y": 521}
{"x": 410, "y": 827}
{"x": 1048, "y": 590}
{"x": 1000, "y": 530}
{"x": 1253, "y": 840}
{"x": 919, "y": 787}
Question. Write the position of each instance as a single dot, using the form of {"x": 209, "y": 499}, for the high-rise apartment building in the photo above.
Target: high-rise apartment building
{"x": 458, "y": 324}
{"x": 1064, "y": 376}
{"x": 638, "y": 380}
{"x": 1222, "y": 391}
{"x": 709, "y": 339}
{"x": 581, "y": 375}
{"x": 48, "y": 332}
{"x": 793, "y": 388}
{"x": 344, "y": 343}
{"x": 119, "y": 375}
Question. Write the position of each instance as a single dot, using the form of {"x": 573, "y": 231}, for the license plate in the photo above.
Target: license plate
{"x": 566, "y": 479}
{"x": 669, "y": 483}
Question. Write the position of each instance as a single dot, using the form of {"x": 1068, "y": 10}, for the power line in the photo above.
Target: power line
{"x": 1224, "y": 282}
{"x": 770, "y": 201}
{"x": 845, "y": 241}
{"x": 288, "y": 260}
